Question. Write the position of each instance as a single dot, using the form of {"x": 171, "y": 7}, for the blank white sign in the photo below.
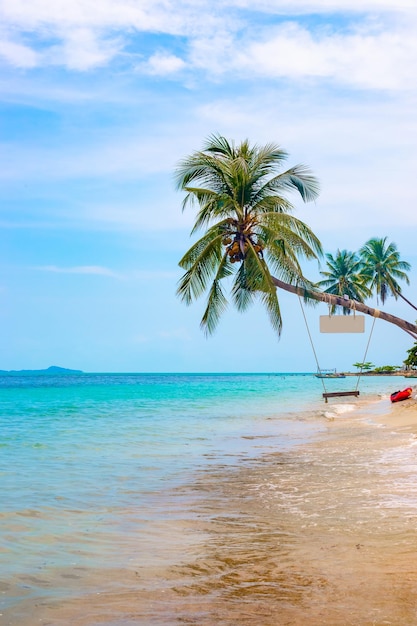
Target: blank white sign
{"x": 342, "y": 323}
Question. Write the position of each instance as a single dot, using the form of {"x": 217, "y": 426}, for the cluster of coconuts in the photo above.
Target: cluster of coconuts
{"x": 237, "y": 247}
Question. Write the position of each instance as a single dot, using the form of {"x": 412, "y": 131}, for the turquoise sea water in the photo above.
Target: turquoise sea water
{"x": 88, "y": 463}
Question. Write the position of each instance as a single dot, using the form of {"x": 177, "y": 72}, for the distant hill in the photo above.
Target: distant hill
{"x": 53, "y": 370}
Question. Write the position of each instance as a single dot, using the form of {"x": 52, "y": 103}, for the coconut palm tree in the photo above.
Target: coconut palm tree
{"x": 383, "y": 268}
{"x": 240, "y": 192}
{"x": 343, "y": 278}
{"x": 250, "y": 229}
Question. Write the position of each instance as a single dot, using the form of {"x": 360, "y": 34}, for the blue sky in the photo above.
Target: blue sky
{"x": 99, "y": 102}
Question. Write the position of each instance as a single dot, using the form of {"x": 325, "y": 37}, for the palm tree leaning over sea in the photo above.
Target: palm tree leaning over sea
{"x": 244, "y": 197}
{"x": 250, "y": 231}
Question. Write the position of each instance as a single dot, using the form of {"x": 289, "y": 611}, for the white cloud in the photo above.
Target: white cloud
{"x": 107, "y": 13}
{"x": 81, "y": 50}
{"x": 157, "y": 16}
{"x": 366, "y": 57}
{"x": 376, "y": 49}
{"x": 80, "y": 34}
{"x": 164, "y": 64}
{"x": 173, "y": 16}
{"x": 301, "y": 7}
{"x": 17, "y": 54}
{"x": 129, "y": 157}
{"x": 95, "y": 270}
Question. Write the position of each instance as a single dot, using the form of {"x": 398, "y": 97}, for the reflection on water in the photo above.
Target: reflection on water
{"x": 323, "y": 535}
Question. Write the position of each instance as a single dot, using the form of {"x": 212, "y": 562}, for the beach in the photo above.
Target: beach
{"x": 320, "y": 532}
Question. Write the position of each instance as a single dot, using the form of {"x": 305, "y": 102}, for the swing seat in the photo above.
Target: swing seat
{"x": 336, "y": 394}
{"x": 357, "y": 325}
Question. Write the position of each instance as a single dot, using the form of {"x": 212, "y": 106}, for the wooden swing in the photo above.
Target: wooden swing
{"x": 356, "y": 325}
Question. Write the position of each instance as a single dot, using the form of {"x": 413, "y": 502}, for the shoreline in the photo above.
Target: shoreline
{"x": 403, "y": 373}
{"x": 322, "y": 533}
{"x": 402, "y": 416}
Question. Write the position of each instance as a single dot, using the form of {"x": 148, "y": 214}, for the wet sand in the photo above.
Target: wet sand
{"x": 324, "y": 534}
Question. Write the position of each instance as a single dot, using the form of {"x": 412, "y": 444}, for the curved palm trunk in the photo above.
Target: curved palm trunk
{"x": 328, "y": 298}
{"x": 405, "y": 299}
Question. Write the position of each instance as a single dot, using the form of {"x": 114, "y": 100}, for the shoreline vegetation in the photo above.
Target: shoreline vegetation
{"x": 404, "y": 373}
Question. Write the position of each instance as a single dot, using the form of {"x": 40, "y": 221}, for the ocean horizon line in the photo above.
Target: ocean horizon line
{"x": 69, "y": 372}
{"x": 60, "y": 371}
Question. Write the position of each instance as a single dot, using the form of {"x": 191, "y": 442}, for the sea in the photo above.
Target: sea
{"x": 165, "y": 499}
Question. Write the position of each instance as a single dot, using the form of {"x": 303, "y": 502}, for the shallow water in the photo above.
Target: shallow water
{"x": 178, "y": 502}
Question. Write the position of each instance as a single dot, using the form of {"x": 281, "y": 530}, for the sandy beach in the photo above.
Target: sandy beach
{"x": 324, "y": 534}
{"x": 402, "y": 416}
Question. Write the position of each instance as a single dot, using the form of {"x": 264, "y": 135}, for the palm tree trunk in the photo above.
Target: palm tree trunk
{"x": 332, "y": 300}
{"x": 405, "y": 299}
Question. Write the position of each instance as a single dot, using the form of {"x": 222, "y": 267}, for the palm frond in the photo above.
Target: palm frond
{"x": 198, "y": 195}
{"x": 201, "y": 262}
{"x": 216, "y": 305}
{"x": 204, "y": 169}
{"x": 219, "y": 145}
{"x": 216, "y": 301}
{"x": 258, "y": 276}
{"x": 263, "y": 201}
{"x": 299, "y": 178}
{"x": 267, "y": 158}
{"x": 297, "y": 233}
{"x": 213, "y": 207}
{"x": 242, "y": 296}
{"x": 271, "y": 303}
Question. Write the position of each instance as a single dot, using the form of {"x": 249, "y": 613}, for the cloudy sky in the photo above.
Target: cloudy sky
{"x": 99, "y": 102}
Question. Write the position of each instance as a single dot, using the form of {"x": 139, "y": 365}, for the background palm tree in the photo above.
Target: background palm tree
{"x": 411, "y": 360}
{"x": 251, "y": 232}
{"x": 250, "y": 229}
{"x": 383, "y": 268}
{"x": 343, "y": 278}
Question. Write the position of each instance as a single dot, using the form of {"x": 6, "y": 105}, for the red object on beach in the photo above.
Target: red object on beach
{"x": 401, "y": 395}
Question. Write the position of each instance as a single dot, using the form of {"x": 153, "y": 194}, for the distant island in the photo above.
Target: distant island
{"x": 53, "y": 370}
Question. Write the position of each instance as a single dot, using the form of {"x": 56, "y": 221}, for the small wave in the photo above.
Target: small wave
{"x": 338, "y": 410}
{"x": 343, "y": 408}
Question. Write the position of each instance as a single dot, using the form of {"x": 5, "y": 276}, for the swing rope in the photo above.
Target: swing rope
{"x": 366, "y": 351}
{"x": 356, "y": 392}
{"x": 312, "y": 344}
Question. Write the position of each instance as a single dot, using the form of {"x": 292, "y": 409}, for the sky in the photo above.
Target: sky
{"x": 101, "y": 100}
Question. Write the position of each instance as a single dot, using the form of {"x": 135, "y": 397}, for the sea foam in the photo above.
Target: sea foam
{"x": 338, "y": 410}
